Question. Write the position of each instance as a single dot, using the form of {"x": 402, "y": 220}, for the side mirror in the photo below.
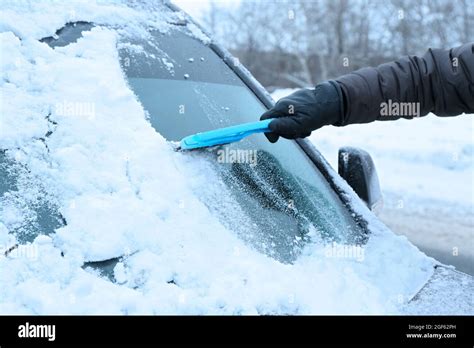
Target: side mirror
{"x": 358, "y": 169}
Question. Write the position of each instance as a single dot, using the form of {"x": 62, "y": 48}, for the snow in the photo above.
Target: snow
{"x": 26, "y": 19}
{"x": 198, "y": 33}
{"x": 415, "y": 156}
{"x": 124, "y": 191}
{"x": 441, "y": 296}
{"x": 282, "y": 92}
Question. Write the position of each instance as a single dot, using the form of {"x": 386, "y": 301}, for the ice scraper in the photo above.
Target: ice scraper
{"x": 223, "y": 135}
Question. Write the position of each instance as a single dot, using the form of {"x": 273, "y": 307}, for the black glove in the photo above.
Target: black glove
{"x": 300, "y": 113}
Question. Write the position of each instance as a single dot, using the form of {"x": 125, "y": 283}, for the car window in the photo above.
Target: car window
{"x": 272, "y": 195}
{"x": 26, "y": 209}
{"x": 67, "y": 34}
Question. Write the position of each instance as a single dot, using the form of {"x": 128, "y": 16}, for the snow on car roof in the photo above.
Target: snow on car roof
{"x": 38, "y": 19}
{"x": 69, "y": 116}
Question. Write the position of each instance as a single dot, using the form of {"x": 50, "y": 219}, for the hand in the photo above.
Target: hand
{"x": 304, "y": 111}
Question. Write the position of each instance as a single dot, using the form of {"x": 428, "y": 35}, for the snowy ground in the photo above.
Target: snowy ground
{"x": 124, "y": 191}
{"x": 425, "y": 168}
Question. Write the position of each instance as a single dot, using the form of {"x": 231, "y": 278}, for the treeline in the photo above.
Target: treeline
{"x": 301, "y": 42}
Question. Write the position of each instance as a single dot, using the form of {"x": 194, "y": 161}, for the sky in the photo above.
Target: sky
{"x": 197, "y": 7}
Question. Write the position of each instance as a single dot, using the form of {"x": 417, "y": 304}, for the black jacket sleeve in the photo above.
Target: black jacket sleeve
{"x": 441, "y": 82}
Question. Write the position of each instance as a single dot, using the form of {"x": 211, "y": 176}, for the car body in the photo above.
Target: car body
{"x": 286, "y": 199}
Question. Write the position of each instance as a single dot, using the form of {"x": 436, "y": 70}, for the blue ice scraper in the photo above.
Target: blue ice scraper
{"x": 223, "y": 135}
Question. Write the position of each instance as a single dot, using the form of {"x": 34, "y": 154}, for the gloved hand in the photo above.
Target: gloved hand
{"x": 304, "y": 111}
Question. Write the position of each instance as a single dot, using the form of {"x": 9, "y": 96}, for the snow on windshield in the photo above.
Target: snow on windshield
{"x": 124, "y": 191}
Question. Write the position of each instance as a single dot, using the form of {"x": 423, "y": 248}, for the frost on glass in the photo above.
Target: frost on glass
{"x": 26, "y": 209}
{"x": 277, "y": 204}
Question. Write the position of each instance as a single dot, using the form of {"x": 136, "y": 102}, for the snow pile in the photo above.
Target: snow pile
{"x": 38, "y": 19}
{"x": 70, "y": 118}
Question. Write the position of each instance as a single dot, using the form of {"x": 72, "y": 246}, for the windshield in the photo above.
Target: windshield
{"x": 25, "y": 208}
{"x": 272, "y": 195}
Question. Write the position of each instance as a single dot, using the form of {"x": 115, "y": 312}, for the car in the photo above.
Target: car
{"x": 279, "y": 199}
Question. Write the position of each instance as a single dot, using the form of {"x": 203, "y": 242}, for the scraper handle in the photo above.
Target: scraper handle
{"x": 224, "y": 135}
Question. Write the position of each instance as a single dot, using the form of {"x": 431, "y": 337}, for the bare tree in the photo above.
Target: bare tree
{"x": 298, "y": 43}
